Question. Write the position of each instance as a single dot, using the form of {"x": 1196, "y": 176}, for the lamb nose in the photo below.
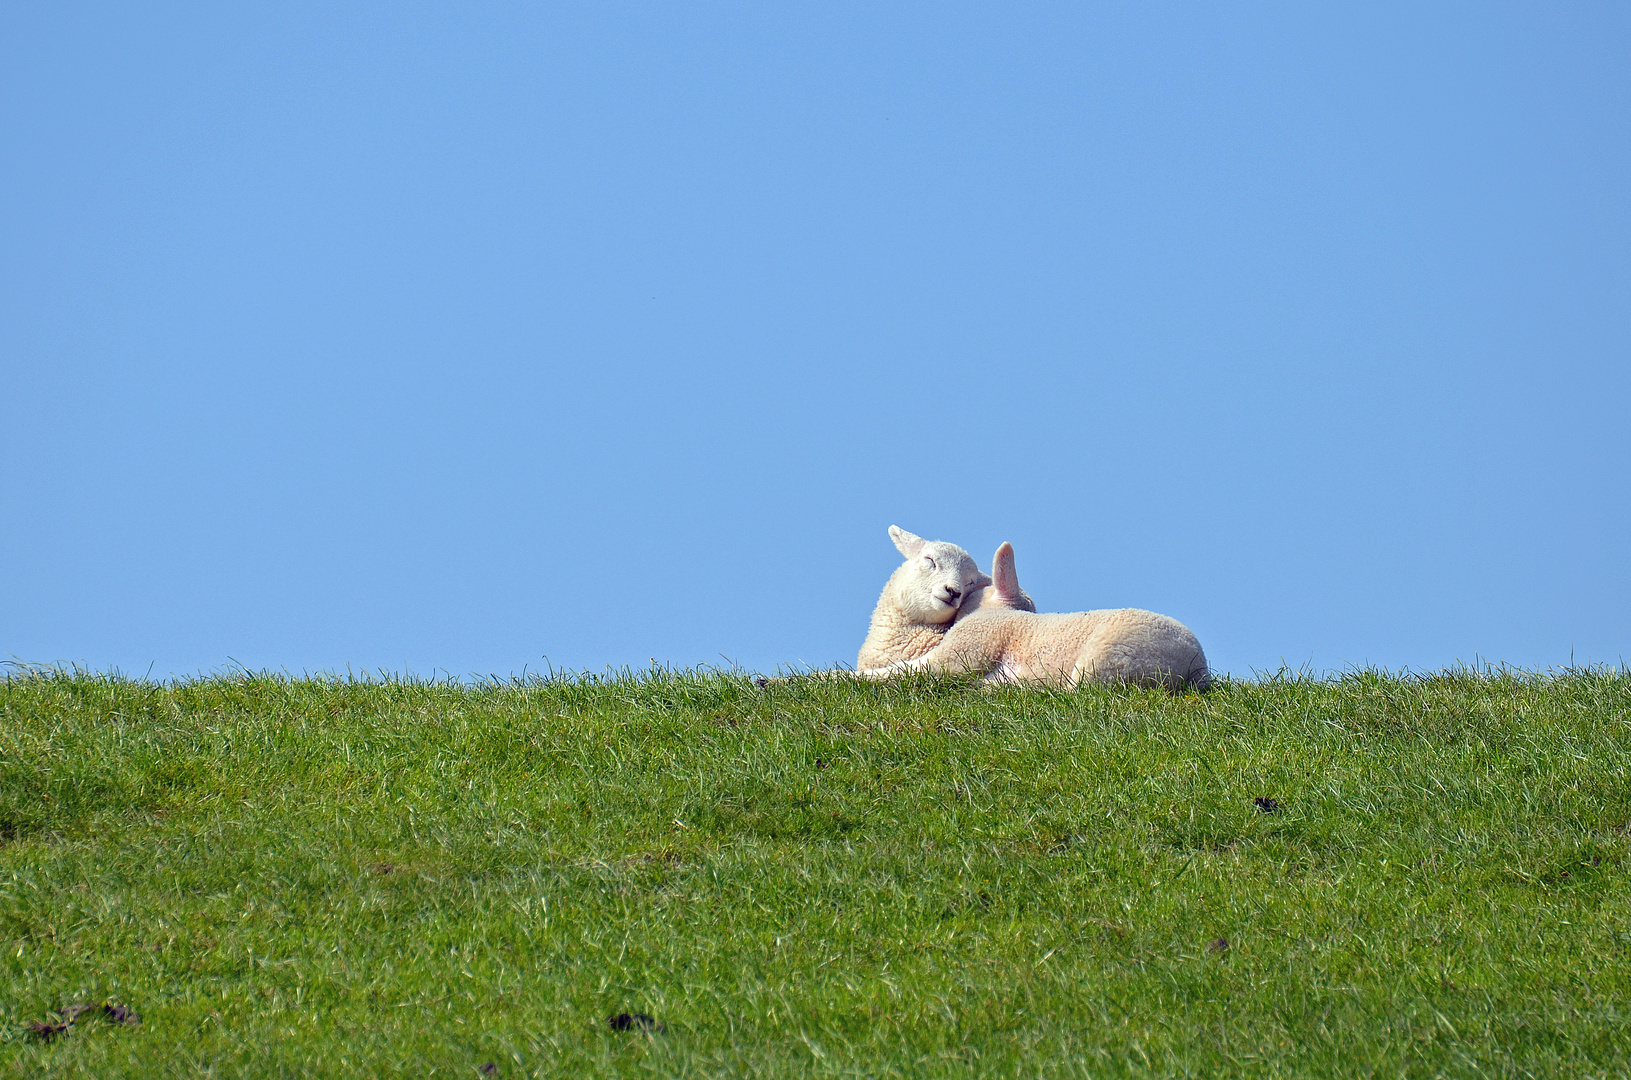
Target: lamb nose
{"x": 953, "y": 593}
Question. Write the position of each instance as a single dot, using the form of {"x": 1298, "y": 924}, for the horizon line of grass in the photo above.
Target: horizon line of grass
{"x": 15, "y": 669}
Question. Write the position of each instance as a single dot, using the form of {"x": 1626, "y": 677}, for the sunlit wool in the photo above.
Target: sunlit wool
{"x": 999, "y": 633}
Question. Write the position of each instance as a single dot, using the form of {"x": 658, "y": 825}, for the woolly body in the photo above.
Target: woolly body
{"x": 920, "y": 600}
{"x": 1001, "y": 635}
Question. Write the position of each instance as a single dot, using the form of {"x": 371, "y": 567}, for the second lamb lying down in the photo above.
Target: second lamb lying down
{"x": 1009, "y": 644}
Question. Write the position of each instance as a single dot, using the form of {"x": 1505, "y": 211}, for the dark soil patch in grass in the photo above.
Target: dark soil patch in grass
{"x": 633, "y": 1022}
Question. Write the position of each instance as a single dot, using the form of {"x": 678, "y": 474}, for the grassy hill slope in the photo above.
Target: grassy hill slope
{"x": 321, "y": 877}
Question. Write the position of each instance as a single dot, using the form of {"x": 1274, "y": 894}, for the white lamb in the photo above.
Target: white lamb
{"x": 919, "y": 601}
{"x": 1000, "y": 634}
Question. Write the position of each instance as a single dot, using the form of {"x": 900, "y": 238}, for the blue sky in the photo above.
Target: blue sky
{"x": 448, "y": 338}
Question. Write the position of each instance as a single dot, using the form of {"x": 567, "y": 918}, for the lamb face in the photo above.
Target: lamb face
{"x": 934, "y": 580}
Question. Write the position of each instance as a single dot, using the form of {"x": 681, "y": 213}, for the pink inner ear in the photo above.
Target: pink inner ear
{"x": 1002, "y": 572}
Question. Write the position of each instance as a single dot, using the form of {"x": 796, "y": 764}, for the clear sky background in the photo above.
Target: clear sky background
{"x": 450, "y": 337}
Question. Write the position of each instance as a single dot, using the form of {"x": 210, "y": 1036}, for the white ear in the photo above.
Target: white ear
{"x": 1002, "y": 572}
{"x": 906, "y": 543}
{"x": 980, "y": 582}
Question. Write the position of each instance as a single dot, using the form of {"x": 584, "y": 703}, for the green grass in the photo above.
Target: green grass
{"x": 334, "y": 877}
